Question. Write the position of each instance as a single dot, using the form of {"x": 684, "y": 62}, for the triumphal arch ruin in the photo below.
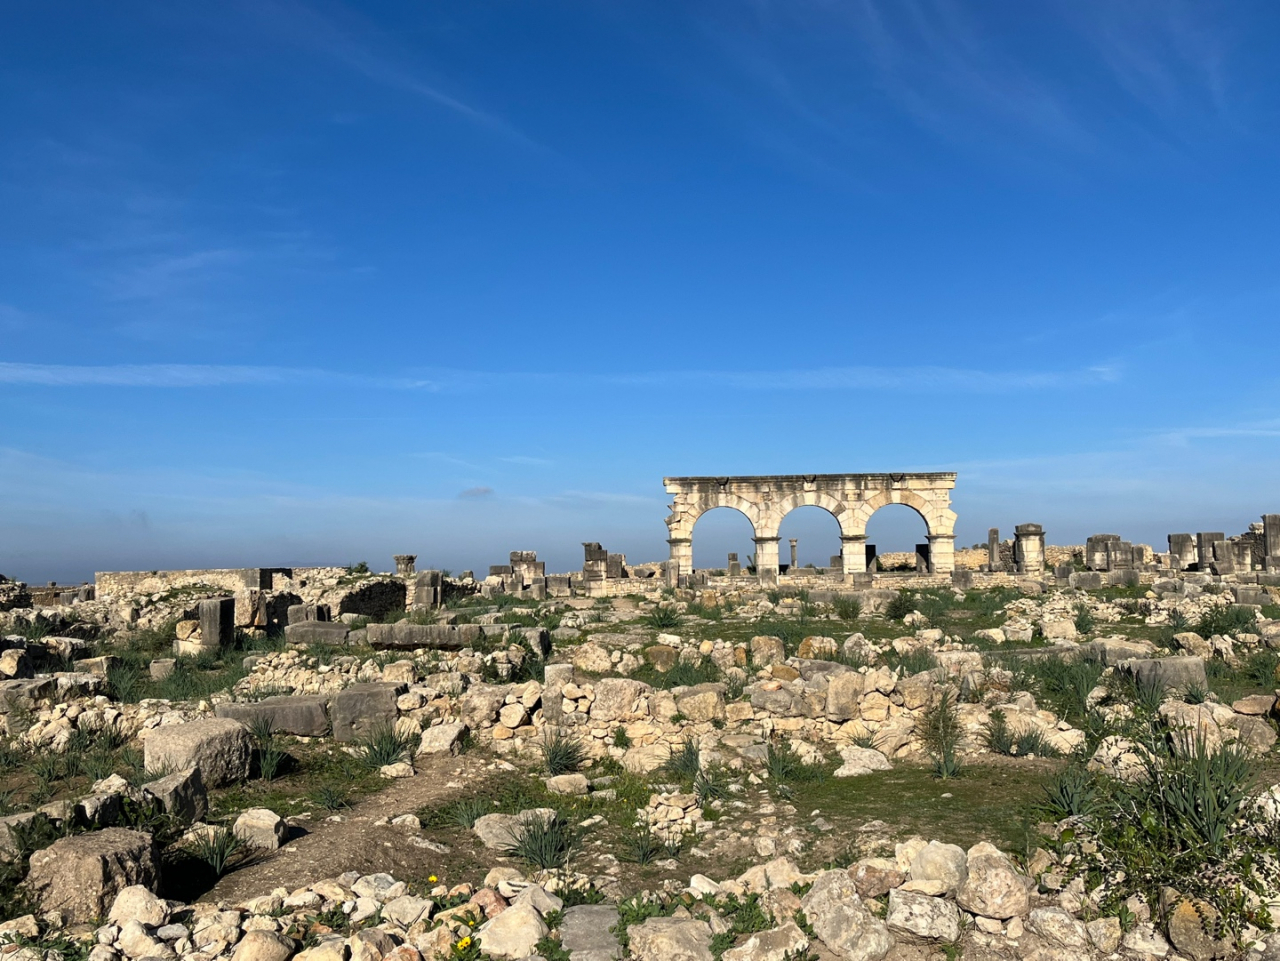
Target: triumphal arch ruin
{"x": 850, "y": 498}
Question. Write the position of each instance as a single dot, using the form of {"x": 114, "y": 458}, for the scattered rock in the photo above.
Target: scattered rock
{"x": 261, "y": 828}
{"x": 79, "y": 877}
{"x": 670, "y": 939}
{"x": 220, "y": 747}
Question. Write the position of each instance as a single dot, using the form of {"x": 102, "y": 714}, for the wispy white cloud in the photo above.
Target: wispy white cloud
{"x": 932, "y": 379}
{"x": 183, "y": 375}
{"x": 472, "y": 493}
{"x": 1184, "y": 436}
{"x": 929, "y": 379}
{"x": 521, "y": 459}
{"x": 359, "y": 46}
{"x": 1169, "y": 56}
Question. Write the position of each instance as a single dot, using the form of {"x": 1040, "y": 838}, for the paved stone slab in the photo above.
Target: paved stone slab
{"x": 585, "y": 934}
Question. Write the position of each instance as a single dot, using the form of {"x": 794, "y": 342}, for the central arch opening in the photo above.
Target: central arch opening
{"x": 817, "y": 536}
{"x": 718, "y": 532}
{"x": 895, "y": 530}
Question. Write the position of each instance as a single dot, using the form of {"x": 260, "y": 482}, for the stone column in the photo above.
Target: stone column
{"x": 1204, "y": 548}
{"x": 794, "y": 562}
{"x": 1182, "y": 551}
{"x": 853, "y": 554}
{"x": 942, "y": 553}
{"x": 681, "y": 561}
{"x": 405, "y": 564}
{"x": 1029, "y": 548}
{"x": 1271, "y": 541}
{"x": 735, "y": 566}
{"x": 767, "y": 560}
{"x": 993, "y": 550}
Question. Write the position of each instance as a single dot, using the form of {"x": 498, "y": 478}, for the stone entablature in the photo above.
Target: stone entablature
{"x": 851, "y": 498}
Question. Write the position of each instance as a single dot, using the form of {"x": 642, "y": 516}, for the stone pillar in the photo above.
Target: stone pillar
{"x": 405, "y": 564}
{"x": 993, "y": 550}
{"x": 1204, "y": 548}
{"x": 681, "y": 561}
{"x": 1029, "y": 548}
{"x": 794, "y": 562}
{"x": 853, "y": 554}
{"x": 217, "y": 623}
{"x": 767, "y": 560}
{"x": 735, "y": 567}
{"x": 1098, "y": 549}
{"x": 428, "y": 589}
{"x": 1271, "y": 541}
{"x": 942, "y": 553}
{"x": 1182, "y": 551}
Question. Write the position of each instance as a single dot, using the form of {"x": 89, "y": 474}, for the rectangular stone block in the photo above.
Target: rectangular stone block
{"x": 317, "y": 632}
{"x": 217, "y": 623}
{"x": 358, "y": 710}
{"x": 403, "y": 635}
{"x": 302, "y": 715}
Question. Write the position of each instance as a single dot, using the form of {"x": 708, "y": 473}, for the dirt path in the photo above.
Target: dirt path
{"x": 324, "y": 849}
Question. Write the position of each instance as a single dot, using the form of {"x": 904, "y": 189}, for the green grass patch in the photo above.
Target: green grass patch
{"x": 984, "y": 802}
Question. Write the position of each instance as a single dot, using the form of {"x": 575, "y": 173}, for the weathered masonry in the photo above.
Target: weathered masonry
{"x": 850, "y": 498}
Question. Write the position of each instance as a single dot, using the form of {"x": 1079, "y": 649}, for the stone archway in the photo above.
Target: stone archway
{"x": 850, "y": 498}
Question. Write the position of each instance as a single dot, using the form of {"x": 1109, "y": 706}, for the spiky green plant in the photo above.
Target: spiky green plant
{"x": 562, "y": 754}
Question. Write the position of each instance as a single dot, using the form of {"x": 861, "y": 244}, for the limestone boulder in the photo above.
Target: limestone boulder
{"x": 575, "y": 784}
{"x": 776, "y": 944}
{"x": 703, "y": 702}
{"x": 514, "y": 933}
{"x": 767, "y": 650}
{"x": 181, "y": 794}
{"x": 479, "y": 706}
{"x": 916, "y": 690}
{"x": 843, "y": 694}
{"x": 842, "y": 921}
{"x": 443, "y": 738}
{"x": 670, "y": 939}
{"x": 497, "y": 831}
{"x": 617, "y": 699}
{"x": 1105, "y": 933}
{"x": 262, "y": 945}
{"x": 1187, "y": 921}
{"x": 12, "y": 829}
{"x": 591, "y": 658}
{"x": 861, "y": 760}
{"x": 79, "y": 877}
{"x": 1255, "y": 705}
{"x": 1193, "y": 644}
{"x": 1059, "y": 630}
{"x": 1253, "y": 733}
{"x": 920, "y": 918}
{"x": 993, "y": 888}
{"x": 874, "y": 877}
{"x": 261, "y": 828}
{"x": 220, "y": 747}
{"x": 1058, "y": 926}
{"x": 137, "y": 903}
{"x": 944, "y": 863}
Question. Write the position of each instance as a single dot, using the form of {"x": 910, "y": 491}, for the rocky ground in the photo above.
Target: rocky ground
{"x": 1031, "y": 773}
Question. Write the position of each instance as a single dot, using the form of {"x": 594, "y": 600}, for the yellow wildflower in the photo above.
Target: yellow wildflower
{"x": 465, "y": 942}
{"x": 433, "y": 879}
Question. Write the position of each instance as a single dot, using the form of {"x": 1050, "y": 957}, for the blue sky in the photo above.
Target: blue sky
{"x": 303, "y": 282}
